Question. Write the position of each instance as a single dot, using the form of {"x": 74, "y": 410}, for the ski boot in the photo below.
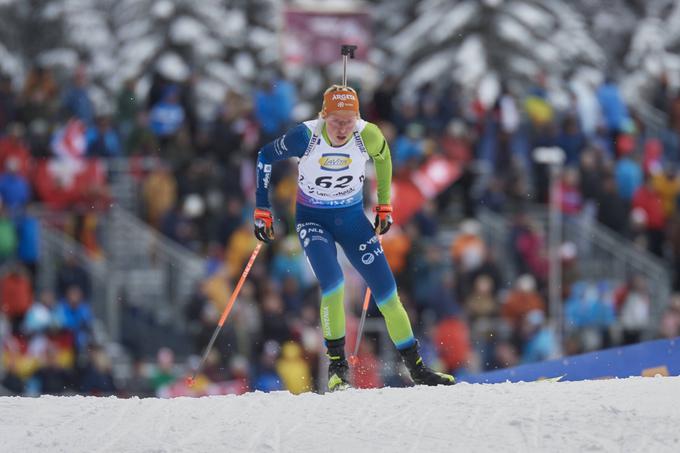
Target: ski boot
{"x": 420, "y": 374}
{"x": 338, "y": 369}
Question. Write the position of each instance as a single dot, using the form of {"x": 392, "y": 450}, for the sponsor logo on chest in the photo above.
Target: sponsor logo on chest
{"x": 335, "y": 161}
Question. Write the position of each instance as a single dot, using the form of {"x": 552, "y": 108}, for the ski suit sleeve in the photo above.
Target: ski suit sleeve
{"x": 292, "y": 144}
{"x": 379, "y": 150}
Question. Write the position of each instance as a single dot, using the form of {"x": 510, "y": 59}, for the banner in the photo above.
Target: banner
{"x": 425, "y": 183}
{"x": 660, "y": 357}
{"x": 314, "y": 37}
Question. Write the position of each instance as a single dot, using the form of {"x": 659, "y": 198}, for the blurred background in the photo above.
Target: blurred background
{"x": 128, "y": 135}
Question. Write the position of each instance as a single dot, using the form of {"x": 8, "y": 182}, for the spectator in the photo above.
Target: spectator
{"x": 612, "y": 209}
{"x": 52, "y": 378}
{"x": 571, "y": 140}
{"x": 590, "y": 176}
{"x": 274, "y": 103}
{"x": 8, "y": 102}
{"x": 634, "y": 310}
{"x": 71, "y": 273}
{"x": 669, "y": 327}
{"x": 16, "y": 295}
{"x": 468, "y": 249}
{"x": 102, "y": 139}
{"x": 590, "y": 310}
{"x": 397, "y": 246}
{"x": 667, "y": 184}
{"x": 13, "y": 146}
{"x": 675, "y": 248}
{"x": 628, "y": 177}
{"x": 648, "y": 201}
{"x": 452, "y": 342}
{"x": 494, "y": 197}
{"x": 522, "y": 300}
{"x": 8, "y": 237}
{"x": 408, "y": 148}
{"x": 40, "y": 95}
{"x": 127, "y": 108}
{"x": 539, "y": 341}
{"x": 167, "y": 116}
{"x": 288, "y": 262}
{"x": 569, "y": 194}
{"x": 11, "y": 381}
{"x": 96, "y": 378}
{"x": 76, "y": 316}
{"x": 614, "y": 110}
{"x": 383, "y": 99}
{"x": 77, "y": 102}
{"x": 164, "y": 372}
{"x": 159, "y": 194}
{"x": 274, "y": 324}
{"x": 528, "y": 247}
{"x": 294, "y": 371}
{"x": 28, "y": 231}
{"x": 267, "y": 378}
{"x": 481, "y": 302}
{"x": 14, "y": 189}
{"x": 43, "y": 315}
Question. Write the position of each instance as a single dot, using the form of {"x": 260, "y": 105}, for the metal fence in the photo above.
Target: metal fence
{"x": 602, "y": 253}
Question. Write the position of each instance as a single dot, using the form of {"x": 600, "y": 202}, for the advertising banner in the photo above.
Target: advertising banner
{"x": 659, "y": 357}
{"x": 315, "y": 37}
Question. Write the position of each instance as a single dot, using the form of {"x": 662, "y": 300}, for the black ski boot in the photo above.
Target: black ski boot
{"x": 421, "y": 374}
{"x": 338, "y": 369}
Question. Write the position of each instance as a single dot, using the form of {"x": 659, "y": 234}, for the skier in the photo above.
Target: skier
{"x": 332, "y": 152}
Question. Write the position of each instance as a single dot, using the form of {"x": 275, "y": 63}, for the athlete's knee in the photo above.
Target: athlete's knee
{"x": 389, "y": 303}
{"x": 331, "y": 290}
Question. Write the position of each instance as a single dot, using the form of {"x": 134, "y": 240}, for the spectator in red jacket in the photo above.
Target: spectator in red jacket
{"x": 647, "y": 200}
{"x": 452, "y": 341}
{"x": 16, "y": 295}
{"x": 12, "y": 146}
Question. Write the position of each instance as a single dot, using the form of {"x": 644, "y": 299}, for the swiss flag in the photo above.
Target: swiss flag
{"x": 69, "y": 141}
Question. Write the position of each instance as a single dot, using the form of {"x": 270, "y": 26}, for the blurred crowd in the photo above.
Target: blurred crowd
{"x": 196, "y": 186}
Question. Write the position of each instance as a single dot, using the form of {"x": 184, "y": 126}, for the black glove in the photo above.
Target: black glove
{"x": 264, "y": 225}
{"x": 383, "y": 218}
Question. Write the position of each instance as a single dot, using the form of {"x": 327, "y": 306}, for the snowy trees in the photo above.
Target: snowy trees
{"x": 468, "y": 40}
{"x": 228, "y": 43}
{"x": 28, "y": 29}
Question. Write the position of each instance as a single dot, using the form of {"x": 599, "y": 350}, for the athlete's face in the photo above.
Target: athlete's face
{"x": 339, "y": 126}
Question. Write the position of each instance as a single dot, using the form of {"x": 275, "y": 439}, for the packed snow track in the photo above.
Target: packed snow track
{"x": 636, "y": 414}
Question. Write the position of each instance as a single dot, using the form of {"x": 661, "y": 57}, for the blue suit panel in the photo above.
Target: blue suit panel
{"x": 319, "y": 230}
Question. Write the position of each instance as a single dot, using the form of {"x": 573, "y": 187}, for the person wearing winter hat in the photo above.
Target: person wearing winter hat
{"x": 332, "y": 151}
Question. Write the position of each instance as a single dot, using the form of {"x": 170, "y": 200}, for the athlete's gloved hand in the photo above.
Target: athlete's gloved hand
{"x": 264, "y": 225}
{"x": 383, "y": 218}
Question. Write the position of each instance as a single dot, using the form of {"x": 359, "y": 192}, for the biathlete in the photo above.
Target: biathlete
{"x": 332, "y": 152}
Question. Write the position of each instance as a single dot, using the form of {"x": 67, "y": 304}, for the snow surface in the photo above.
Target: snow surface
{"x": 636, "y": 414}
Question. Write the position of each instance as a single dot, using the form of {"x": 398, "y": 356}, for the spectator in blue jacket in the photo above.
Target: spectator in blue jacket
{"x": 628, "y": 175}
{"x": 274, "y": 103}
{"x": 76, "y": 316}
{"x": 14, "y": 189}
{"x": 102, "y": 139}
{"x": 614, "y": 109}
{"x": 77, "y": 101}
{"x": 167, "y": 115}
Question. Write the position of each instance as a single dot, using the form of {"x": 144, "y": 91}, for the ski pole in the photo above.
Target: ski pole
{"x": 225, "y": 313}
{"x": 346, "y": 51}
{"x": 353, "y": 359}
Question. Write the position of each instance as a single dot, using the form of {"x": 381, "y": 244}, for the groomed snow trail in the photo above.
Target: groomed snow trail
{"x": 636, "y": 414}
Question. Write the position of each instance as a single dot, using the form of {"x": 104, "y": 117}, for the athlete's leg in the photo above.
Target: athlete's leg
{"x": 319, "y": 247}
{"x": 358, "y": 240}
{"x": 365, "y": 253}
